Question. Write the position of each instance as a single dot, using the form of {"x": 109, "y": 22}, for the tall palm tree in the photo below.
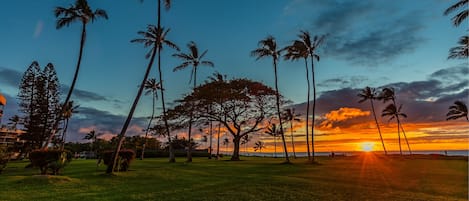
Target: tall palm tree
{"x": 458, "y": 110}
{"x": 151, "y": 87}
{"x": 370, "y": 94}
{"x": 461, "y": 16}
{"x": 291, "y": 116}
{"x": 274, "y": 131}
{"x": 78, "y": 12}
{"x": 194, "y": 59}
{"x": 154, "y": 37}
{"x": 394, "y": 112}
{"x": 268, "y": 48}
{"x": 219, "y": 78}
{"x": 461, "y": 51}
{"x": 297, "y": 51}
{"x": 68, "y": 110}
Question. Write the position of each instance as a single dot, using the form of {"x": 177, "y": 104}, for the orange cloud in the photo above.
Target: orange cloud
{"x": 345, "y": 113}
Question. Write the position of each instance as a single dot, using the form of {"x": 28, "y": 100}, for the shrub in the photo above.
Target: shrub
{"x": 4, "y": 158}
{"x": 126, "y": 156}
{"x": 53, "y": 160}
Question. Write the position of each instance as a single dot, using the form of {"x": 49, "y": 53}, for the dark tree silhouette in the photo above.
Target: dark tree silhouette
{"x": 461, "y": 51}
{"x": 78, "y": 12}
{"x": 458, "y": 110}
{"x": 259, "y": 145}
{"x": 290, "y": 116}
{"x": 370, "y": 94}
{"x": 268, "y": 48}
{"x": 14, "y": 121}
{"x": 154, "y": 37}
{"x": 394, "y": 112}
{"x": 194, "y": 59}
{"x": 67, "y": 112}
{"x": 461, "y": 16}
{"x": 274, "y": 131}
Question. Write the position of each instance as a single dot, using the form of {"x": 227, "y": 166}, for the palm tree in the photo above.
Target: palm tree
{"x": 226, "y": 142}
{"x": 91, "y": 136}
{"x": 290, "y": 116}
{"x": 268, "y": 48}
{"x": 393, "y": 112}
{"x": 274, "y": 131}
{"x": 218, "y": 77}
{"x": 294, "y": 52}
{"x": 151, "y": 87}
{"x": 68, "y": 110}
{"x": 192, "y": 59}
{"x": 259, "y": 145}
{"x": 81, "y": 12}
{"x": 458, "y": 110}
{"x": 244, "y": 141}
{"x": 154, "y": 37}
{"x": 461, "y": 16}
{"x": 370, "y": 94}
{"x": 461, "y": 51}
{"x": 14, "y": 121}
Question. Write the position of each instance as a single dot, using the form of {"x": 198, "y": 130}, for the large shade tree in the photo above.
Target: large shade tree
{"x": 268, "y": 48}
{"x": 79, "y": 12}
{"x": 370, "y": 94}
{"x": 154, "y": 37}
{"x": 240, "y": 105}
{"x": 194, "y": 59}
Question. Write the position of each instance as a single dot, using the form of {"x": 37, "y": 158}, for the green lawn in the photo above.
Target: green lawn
{"x": 345, "y": 178}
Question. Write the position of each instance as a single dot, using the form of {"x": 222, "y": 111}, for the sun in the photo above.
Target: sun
{"x": 367, "y": 146}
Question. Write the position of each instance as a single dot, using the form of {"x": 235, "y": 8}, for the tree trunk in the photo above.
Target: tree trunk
{"x": 307, "y": 110}
{"x": 277, "y": 96}
{"x": 314, "y": 106}
{"x": 210, "y": 147}
{"x": 405, "y": 137}
{"x": 236, "y": 140}
{"x": 292, "y": 140}
{"x": 148, "y": 127}
{"x": 218, "y": 141}
{"x": 121, "y": 136}
{"x": 189, "y": 133}
{"x": 63, "y": 135}
{"x": 377, "y": 125}
{"x": 399, "y": 133}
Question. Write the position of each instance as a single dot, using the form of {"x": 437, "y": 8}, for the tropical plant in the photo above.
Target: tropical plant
{"x": 458, "y": 110}
{"x": 151, "y": 87}
{"x": 461, "y": 51}
{"x": 370, "y": 94}
{"x": 244, "y": 141}
{"x": 78, "y": 12}
{"x": 268, "y": 48}
{"x": 290, "y": 116}
{"x": 226, "y": 142}
{"x": 92, "y": 136}
{"x": 394, "y": 112}
{"x": 461, "y": 16}
{"x": 154, "y": 37}
{"x": 191, "y": 59}
{"x": 274, "y": 131}
{"x": 259, "y": 145}
{"x": 68, "y": 110}
{"x": 14, "y": 121}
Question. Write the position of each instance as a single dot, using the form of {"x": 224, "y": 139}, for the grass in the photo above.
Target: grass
{"x": 366, "y": 177}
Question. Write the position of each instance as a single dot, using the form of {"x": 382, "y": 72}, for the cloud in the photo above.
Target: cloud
{"x": 38, "y": 29}
{"x": 10, "y": 77}
{"x": 343, "y": 82}
{"x": 338, "y": 118}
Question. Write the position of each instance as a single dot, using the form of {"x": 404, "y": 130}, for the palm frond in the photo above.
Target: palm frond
{"x": 207, "y": 63}
{"x": 181, "y": 66}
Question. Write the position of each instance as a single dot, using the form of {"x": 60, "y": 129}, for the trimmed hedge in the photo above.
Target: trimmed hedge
{"x": 177, "y": 153}
{"x": 126, "y": 156}
{"x": 53, "y": 160}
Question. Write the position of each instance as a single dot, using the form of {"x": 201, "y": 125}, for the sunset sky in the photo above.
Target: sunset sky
{"x": 403, "y": 44}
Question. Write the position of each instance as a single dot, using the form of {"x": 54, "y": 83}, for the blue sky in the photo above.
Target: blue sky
{"x": 369, "y": 43}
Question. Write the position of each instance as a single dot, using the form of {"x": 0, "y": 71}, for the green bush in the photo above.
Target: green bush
{"x": 53, "y": 160}
{"x": 126, "y": 156}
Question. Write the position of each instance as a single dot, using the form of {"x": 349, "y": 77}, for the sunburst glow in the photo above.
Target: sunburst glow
{"x": 367, "y": 146}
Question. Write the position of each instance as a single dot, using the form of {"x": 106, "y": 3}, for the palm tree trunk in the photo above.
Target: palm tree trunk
{"x": 189, "y": 133}
{"x": 399, "y": 134}
{"x": 405, "y": 137}
{"x": 277, "y": 96}
{"x": 275, "y": 147}
{"x": 148, "y": 127}
{"x": 292, "y": 141}
{"x": 377, "y": 125}
{"x": 69, "y": 94}
{"x": 314, "y": 106}
{"x": 218, "y": 141}
{"x": 210, "y": 147}
{"x": 121, "y": 136}
{"x": 63, "y": 135}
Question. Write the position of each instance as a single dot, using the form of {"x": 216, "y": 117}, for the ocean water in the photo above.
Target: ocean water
{"x": 351, "y": 153}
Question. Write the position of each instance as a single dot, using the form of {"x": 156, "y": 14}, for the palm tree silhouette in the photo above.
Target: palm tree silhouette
{"x": 370, "y": 94}
{"x": 461, "y": 16}
{"x": 259, "y": 145}
{"x": 290, "y": 116}
{"x": 191, "y": 59}
{"x": 14, "y": 121}
{"x": 154, "y": 37}
{"x": 458, "y": 110}
{"x": 268, "y": 48}
{"x": 294, "y": 52}
{"x": 394, "y": 112}
{"x": 461, "y": 51}
{"x": 91, "y": 136}
{"x": 151, "y": 87}
{"x": 244, "y": 141}
{"x": 68, "y": 110}
{"x": 274, "y": 131}
{"x": 82, "y": 12}
{"x": 226, "y": 142}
